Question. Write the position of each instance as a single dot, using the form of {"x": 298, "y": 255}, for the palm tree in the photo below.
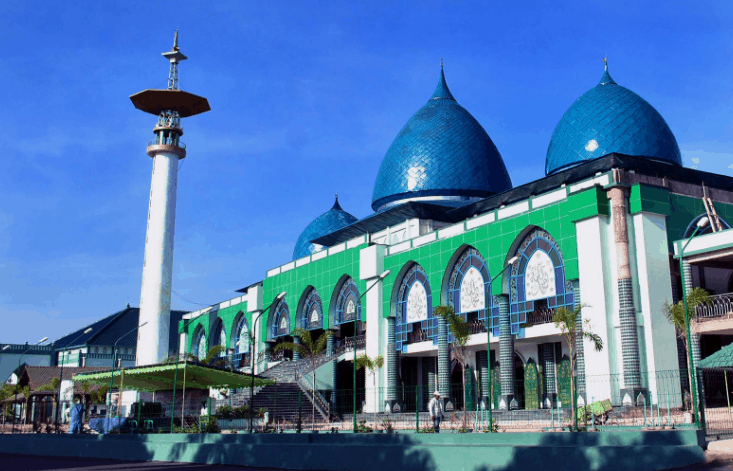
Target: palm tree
{"x": 461, "y": 333}
{"x": 567, "y": 321}
{"x": 372, "y": 364}
{"x": 311, "y": 349}
{"x": 675, "y": 314}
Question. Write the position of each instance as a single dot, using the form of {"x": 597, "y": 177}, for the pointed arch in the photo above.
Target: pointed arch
{"x": 310, "y": 310}
{"x": 537, "y": 284}
{"x": 279, "y": 321}
{"x": 219, "y": 336}
{"x": 199, "y": 347}
{"x": 468, "y": 290}
{"x": 346, "y": 306}
{"x": 705, "y": 230}
{"x": 241, "y": 341}
{"x": 414, "y": 309}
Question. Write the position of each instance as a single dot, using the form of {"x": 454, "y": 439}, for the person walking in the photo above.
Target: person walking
{"x": 435, "y": 407}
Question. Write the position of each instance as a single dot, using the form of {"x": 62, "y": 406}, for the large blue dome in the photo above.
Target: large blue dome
{"x": 610, "y": 118}
{"x": 442, "y": 155}
{"x": 332, "y": 220}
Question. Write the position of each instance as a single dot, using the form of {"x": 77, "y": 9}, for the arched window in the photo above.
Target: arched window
{"x": 705, "y": 230}
{"x": 537, "y": 281}
{"x": 348, "y": 305}
{"x": 414, "y": 316}
{"x": 242, "y": 342}
{"x": 221, "y": 338}
{"x": 199, "y": 344}
{"x": 469, "y": 292}
{"x": 281, "y": 320}
{"x": 311, "y": 314}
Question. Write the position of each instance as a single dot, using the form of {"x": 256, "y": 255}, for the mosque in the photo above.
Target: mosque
{"x": 603, "y": 230}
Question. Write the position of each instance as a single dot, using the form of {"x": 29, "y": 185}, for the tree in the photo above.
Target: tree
{"x": 567, "y": 321}
{"x": 675, "y": 314}
{"x": 461, "y": 333}
{"x": 310, "y": 349}
{"x": 372, "y": 364}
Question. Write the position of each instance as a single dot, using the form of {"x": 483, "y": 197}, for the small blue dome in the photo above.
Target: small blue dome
{"x": 332, "y": 220}
{"x": 442, "y": 153}
{"x": 610, "y": 118}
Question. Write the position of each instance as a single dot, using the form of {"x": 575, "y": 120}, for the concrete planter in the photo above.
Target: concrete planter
{"x": 241, "y": 424}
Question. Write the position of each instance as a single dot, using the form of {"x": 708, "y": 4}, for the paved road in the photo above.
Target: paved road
{"x": 12, "y": 462}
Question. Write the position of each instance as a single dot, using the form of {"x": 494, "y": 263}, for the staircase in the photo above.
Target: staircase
{"x": 283, "y": 372}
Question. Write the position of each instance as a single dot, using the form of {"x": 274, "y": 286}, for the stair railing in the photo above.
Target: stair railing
{"x": 306, "y": 385}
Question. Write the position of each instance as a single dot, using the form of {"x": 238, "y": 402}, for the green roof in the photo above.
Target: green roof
{"x": 723, "y": 358}
{"x": 162, "y": 377}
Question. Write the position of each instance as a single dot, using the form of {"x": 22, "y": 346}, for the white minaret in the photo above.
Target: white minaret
{"x": 166, "y": 151}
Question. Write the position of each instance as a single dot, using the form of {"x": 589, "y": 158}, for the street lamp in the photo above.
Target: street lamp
{"x": 61, "y": 375}
{"x": 700, "y": 225}
{"x": 252, "y": 354}
{"x": 111, "y": 377}
{"x": 353, "y": 392}
{"x": 488, "y": 345}
{"x": 18, "y": 370}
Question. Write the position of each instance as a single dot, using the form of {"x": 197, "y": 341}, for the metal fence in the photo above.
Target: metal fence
{"x": 716, "y": 388}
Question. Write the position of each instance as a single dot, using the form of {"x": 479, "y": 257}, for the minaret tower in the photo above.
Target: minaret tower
{"x": 166, "y": 151}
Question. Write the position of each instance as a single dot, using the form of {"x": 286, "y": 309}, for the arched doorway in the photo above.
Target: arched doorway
{"x": 519, "y": 381}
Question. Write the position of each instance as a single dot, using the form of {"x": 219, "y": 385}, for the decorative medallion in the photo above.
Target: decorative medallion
{"x": 202, "y": 347}
{"x": 417, "y": 303}
{"x": 472, "y": 291}
{"x": 350, "y": 308}
{"x": 314, "y": 316}
{"x": 539, "y": 279}
{"x": 243, "y": 343}
{"x": 283, "y": 323}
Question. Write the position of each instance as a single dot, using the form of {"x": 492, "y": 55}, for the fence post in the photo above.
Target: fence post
{"x": 669, "y": 416}
{"x": 701, "y": 396}
{"x": 643, "y": 406}
{"x": 417, "y": 408}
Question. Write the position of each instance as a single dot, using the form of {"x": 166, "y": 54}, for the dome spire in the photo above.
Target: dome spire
{"x": 441, "y": 91}
{"x": 606, "y": 79}
{"x": 336, "y": 205}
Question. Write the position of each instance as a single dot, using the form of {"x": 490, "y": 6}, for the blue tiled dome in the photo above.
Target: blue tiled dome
{"x": 610, "y": 118}
{"x": 441, "y": 152}
{"x": 332, "y": 220}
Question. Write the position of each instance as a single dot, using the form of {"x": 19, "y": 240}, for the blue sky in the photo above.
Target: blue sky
{"x": 306, "y": 98}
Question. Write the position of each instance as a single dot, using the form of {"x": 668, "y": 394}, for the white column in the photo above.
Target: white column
{"x": 655, "y": 286}
{"x": 155, "y": 298}
{"x": 371, "y": 265}
{"x": 595, "y": 288}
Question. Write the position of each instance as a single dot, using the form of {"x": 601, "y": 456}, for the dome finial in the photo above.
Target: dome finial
{"x": 606, "y": 79}
{"x": 336, "y": 205}
{"x": 441, "y": 91}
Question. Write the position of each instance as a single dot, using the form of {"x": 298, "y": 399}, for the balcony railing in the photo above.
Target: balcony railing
{"x": 476, "y": 326}
{"x": 719, "y": 305}
{"x": 167, "y": 142}
{"x": 541, "y": 316}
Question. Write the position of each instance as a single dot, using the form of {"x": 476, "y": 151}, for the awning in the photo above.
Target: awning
{"x": 722, "y": 359}
{"x": 162, "y": 377}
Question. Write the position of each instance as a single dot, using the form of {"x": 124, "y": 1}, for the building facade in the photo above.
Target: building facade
{"x": 598, "y": 232}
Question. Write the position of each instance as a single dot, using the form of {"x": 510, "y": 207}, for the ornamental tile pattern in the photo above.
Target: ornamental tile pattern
{"x": 610, "y": 118}
{"x": 441, "y": 151}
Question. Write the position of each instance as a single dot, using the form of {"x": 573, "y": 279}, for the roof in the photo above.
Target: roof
{"x": 330, "y": 221}
{"x": 37, "y": 376}
{"x": 441, "y": 151}
{"x": 161, "y": 377}
{"x": 587, "y": 169}
{"x": 723, "y": 358}
{"x": 607, "y": 119}
{"x": 108, "y": 330}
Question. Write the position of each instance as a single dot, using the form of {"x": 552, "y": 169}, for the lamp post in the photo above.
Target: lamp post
{"x": 252, "y": 354}
{"x": 111, "y": 378}
{"x": 61, "y": 375}
{"x": 353, "y": 392}
{"x": 693, "y": 378}
{"x": 19, "y": 358}
{"x": 488, "y": 346}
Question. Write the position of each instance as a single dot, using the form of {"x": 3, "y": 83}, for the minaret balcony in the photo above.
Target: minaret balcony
{"x": 156, "y": 147}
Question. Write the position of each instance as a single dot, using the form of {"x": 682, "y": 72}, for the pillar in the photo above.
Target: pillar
{"x": 506, "y": 352}
{"x": 482, "y": 359}
{"x": 444, "y": 364}
{"x": 329, "y": 352}
{"x": 627, "y": 311}
{"x": 579, "y": 348}
{"x": 549, "y": 364}
{"x": 296, "y": 353}
{"x": 392, "y": 367}
{"x": 694, "y": 342}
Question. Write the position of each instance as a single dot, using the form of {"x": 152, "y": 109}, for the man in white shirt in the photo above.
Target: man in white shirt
{"x": 435, "y": 407}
